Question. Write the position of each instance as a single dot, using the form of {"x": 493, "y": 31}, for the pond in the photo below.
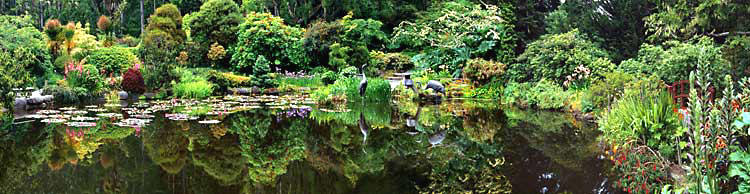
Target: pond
{"x": 288, "y": 145}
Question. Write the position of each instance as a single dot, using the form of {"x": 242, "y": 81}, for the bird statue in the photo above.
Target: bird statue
{"x": 434, "y": 85}
{"x": 363, "y": 83}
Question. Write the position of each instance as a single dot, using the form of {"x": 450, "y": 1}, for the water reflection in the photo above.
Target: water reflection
{"x": 453, "y": 147}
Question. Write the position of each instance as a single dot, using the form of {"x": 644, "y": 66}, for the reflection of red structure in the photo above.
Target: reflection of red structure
{"x": 680, "y": 91}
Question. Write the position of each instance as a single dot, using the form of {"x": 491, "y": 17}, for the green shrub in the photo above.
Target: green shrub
{"x": 113, "y": 60}
{"x": 128, "y": 41}
{"x": 603, "y": 93}
{"x": 310, "y": 82}
{"x": 12, "y": 75}
{"x": 737, "y": 52}
{"x": 24, "y": 47}
{"x": 346, "y": 39}
{"x": 217, "y": 22}
{"x": 162, "y": 42}
{"x": 491, "y": 90}
{"x": 481, "y": 71}
{"x": 263, "y": 34}
{"x": 66, "y": 95}
{"x": 225, "y": 80}
{"x": 342, "y": 56}
{"x": 389, "y": 61}
{"x": 548, "y": 95}
{"x": 195, "y": 89}
{"x": 451, "y": 32}
{"x": 556, "y": 56}
{"x": 645, "y": 116}
{"x": 262, "y": 73}
{"x": 675, "y": 60}
{"x": 329, "y": 77}
{"x": 84, "y": 43}
{"x": 740, "y": 167}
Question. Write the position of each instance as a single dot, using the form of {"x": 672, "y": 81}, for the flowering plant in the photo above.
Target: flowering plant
{"x": 78, "y": 75}
{"x": 579, "y": 78}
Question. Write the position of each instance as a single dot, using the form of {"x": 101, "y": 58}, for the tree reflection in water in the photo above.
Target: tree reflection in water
{"x": 454, "y": 147}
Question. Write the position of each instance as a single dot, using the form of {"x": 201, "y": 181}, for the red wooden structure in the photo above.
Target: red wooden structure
{"x": 680, "y": 91}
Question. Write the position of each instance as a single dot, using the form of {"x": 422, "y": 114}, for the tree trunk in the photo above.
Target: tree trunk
{"x": 122, "y": 19}
{"x": 141, "y": 18}
{"x": 41, "y": 15}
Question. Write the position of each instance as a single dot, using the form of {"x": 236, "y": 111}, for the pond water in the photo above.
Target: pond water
{"x": 287, "y": 145}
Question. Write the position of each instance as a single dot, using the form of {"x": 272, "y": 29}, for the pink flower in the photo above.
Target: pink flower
{"x": 137, "y": 66}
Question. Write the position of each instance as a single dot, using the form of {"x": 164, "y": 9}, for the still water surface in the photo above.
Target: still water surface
{"x": 284, "y": 146}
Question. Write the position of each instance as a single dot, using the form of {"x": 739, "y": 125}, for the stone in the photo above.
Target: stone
{"x": 33, "y": 100}
{"x": 123, "y": 95}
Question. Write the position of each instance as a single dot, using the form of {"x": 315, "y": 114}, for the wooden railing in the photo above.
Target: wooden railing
{"x": 680, "y": 91}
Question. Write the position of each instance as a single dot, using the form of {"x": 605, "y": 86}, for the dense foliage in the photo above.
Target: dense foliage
{"x": 113, "y": 60}
{"x": 161, "y": 44}
{"x": 675, "y": 60}
{"x": 24, "y": 47}
{"x": 483, "y": 71}
{"x": 452, "y": 32}
{"x": 216, "y": 23}
{"x": 344, "y": 42}
{"x": 555, "y": 56}
{"x": 266, "y": 35}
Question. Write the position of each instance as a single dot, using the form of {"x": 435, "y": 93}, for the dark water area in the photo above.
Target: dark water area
{"x": 289, "y": 146}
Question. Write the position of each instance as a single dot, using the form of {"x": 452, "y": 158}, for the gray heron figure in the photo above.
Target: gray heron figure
{"x": 363, "y": 83}
{"x": 434, "y": 85}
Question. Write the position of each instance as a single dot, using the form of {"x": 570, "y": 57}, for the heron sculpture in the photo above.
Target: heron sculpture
{"x": 363, "y": 83}
{"x": 434, "y": 85}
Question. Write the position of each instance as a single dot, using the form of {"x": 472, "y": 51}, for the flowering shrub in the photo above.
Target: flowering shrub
{"x": 641, "y": 169}
{"x": 78, "y": 75}
{"x": 555, "y": 56}
{"x": 132, "y": 81}
{"x": 452, "y": 32}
